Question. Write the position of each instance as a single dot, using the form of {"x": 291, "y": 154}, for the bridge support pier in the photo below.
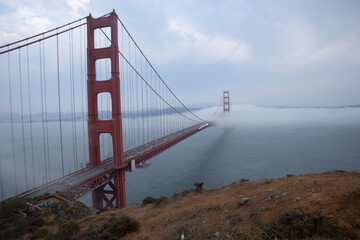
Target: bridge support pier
{"x": 116, "y": 191}
{"x": 119, "y": 182}
{"x": 112, "y": 126}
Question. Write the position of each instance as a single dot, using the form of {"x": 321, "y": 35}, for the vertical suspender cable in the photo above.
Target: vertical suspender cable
{"x": 161, "y": 115}
{"x": 102, "y": 148}
{"x": 125, "y": 94}
{"x": 151, "y": 107}
{"x": 147, "y": 106}
{"x": 22, "y": 121}
{"x": 59, "y": 98}
{"x": 131, "y": 103}
{"x": 42, "y": 113}
{"x": 85, "y": 71}
{"x": 137, "y": 105}
{"x": 46, "y": 115}
{"x": 107, "y": 101}
{"x": 1, "y": 180}
{"x": 107, "y": 106}
{"x": 30, "y": 117}
{"x": 73, "y": 98}
{"x": 142, "y": 104}
{"x": 12, "y": 125}
{"x": 82, "y": 95}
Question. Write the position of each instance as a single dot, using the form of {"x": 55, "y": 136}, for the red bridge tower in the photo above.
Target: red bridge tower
{"x": 112, "y": 126}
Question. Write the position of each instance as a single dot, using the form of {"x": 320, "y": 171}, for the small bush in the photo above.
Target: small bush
{"x": 9, "y": 209}
{"x": 114, "y": 228}
{"x": 39, "y": 233}
{"x": 198, "y": 187}
{"x": 148, "y": 200}
{"x": 71, "y": 225}
{"x": 119, "y": 227}
{"x": 299, "y": 225}
{"x": 157, "y": 201}
{"x": 67, "y": 229}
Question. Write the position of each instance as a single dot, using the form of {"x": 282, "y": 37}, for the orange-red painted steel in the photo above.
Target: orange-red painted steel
{"x": 97, "y": 183}
{"x": 113, "y": 126}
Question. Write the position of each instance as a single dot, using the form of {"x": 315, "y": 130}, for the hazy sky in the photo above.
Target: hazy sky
{"x": 282, "y": 53}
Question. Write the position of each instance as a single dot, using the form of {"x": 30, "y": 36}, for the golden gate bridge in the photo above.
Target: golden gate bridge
{"x": 82, "y": 105}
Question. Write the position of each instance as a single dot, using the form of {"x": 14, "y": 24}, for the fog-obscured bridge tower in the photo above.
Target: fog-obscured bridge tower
{"x": 226, "y": 101}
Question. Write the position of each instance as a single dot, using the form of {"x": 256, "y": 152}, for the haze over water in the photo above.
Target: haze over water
{"x": 254, "y": 143}
{"x": 250, "y": 142}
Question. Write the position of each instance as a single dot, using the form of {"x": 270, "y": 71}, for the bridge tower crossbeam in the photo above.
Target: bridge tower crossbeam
{"x": 112, "y": 126}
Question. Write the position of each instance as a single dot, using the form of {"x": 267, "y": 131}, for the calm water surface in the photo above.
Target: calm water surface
{"x": 223, "y": 154}
{"x": 256, "y": 143}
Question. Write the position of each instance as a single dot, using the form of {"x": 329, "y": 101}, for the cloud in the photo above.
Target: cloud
{"x": 40, "y": 23}
{"x": 79, "y": 6}
{"x": 303, "y": 46}
{"x": 207, "y": 47}
{"x": 26, "y": 18}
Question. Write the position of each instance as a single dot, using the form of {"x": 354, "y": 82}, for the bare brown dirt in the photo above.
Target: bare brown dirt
{"x": 243, "y": 210}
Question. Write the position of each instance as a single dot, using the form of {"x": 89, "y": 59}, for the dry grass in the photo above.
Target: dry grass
{"x": 328, "y": 209}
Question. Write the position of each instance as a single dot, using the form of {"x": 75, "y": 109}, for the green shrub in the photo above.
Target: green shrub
{"x": 11, "y": 208}
{"x": 39, "y": 233}
{"x": 67, "y": 230}
{"x": 114, "y": 228}
{"x": 301, "y": 225}
{"x": 71, "y": 225}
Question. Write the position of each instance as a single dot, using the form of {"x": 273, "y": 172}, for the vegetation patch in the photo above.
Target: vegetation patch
{"x": 301, "y": 225}
{"x": 156, "y": 201}
{"x": 39, "y": 233}
{"x": 114, "y": 228}
{"x": 67, "y": 229}
{"x": 13, "y": 224}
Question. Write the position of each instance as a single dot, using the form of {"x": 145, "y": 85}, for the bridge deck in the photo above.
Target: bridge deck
{"x": 85, "y": 180}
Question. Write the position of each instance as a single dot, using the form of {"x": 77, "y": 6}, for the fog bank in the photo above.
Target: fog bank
{"x": 246, "y": 114}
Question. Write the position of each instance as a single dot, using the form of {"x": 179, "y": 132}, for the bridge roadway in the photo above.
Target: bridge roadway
{"x": 80, "y": 182}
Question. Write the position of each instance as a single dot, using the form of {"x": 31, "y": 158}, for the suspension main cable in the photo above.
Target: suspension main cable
{"x": 153, "y": 88}
{"x": 37, "y": 35}
{"x": 156, "y": 71}
{"x": 42, "y": 39}
{"x": 50, "y": 36}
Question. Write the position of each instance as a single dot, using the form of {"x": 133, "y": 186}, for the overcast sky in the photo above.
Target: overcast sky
{"x": 272, "y": 53}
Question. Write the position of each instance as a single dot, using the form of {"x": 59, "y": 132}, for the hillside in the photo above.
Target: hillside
{"x": 312, "y": 206}
{"x": 325, "y": 205}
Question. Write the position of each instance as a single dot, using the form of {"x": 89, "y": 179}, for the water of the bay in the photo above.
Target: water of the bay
{"x": 250, "y": 142}
{"x": 253, "y": 143}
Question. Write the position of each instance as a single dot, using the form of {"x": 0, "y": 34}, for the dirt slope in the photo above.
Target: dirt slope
{"x": 245, "y": 210}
